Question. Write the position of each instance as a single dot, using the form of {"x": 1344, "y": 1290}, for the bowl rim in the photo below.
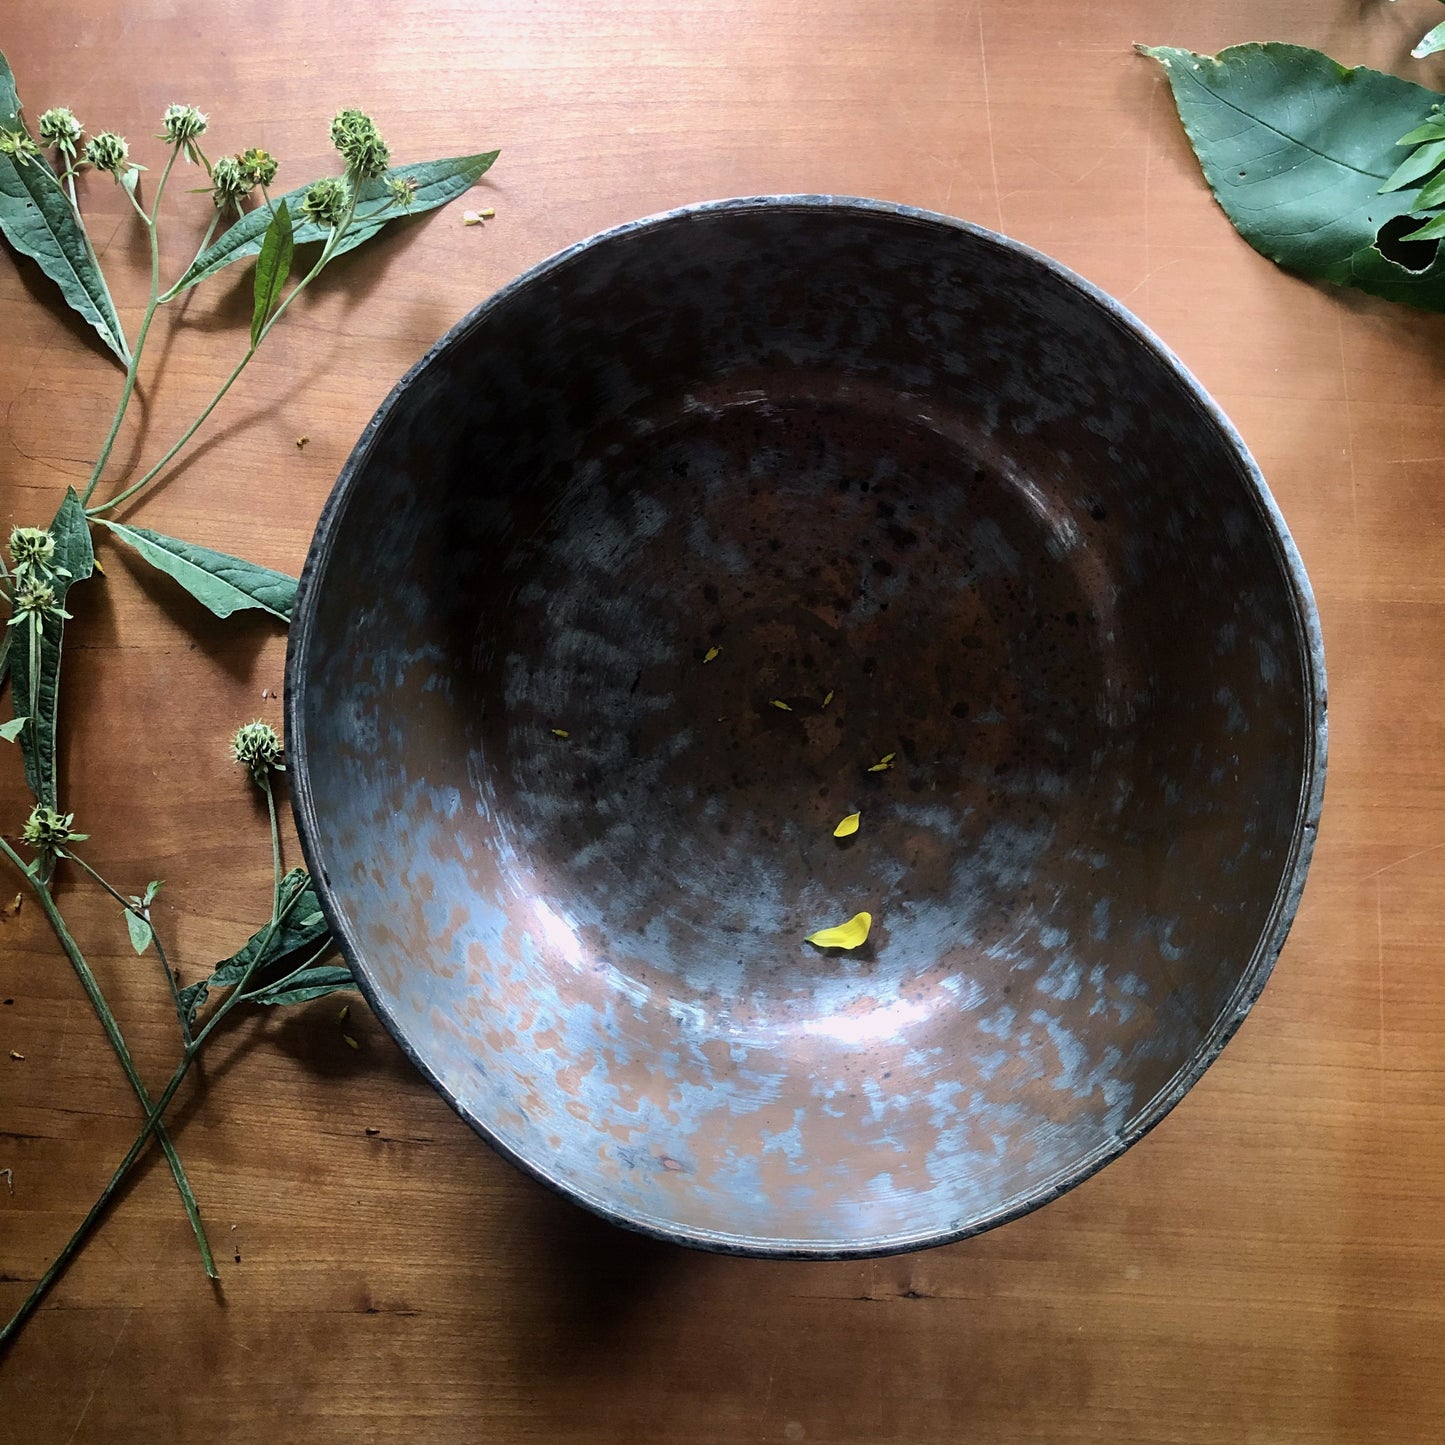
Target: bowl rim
{"x": 1307, "y": 633}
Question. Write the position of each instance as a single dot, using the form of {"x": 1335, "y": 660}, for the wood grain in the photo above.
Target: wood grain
{"x": 1267, "y": 1267}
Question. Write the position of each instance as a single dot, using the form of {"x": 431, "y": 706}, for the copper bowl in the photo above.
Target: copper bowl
{"x": 616, "y": 610}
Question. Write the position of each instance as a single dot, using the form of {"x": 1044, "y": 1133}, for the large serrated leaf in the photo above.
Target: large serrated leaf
{"x": 37, "y": 218}
{"x": 437, "y": 182}
{"x": 73, "y": 555}
{"x": 1296, "y": 148}
{"x": 223, "y": 583}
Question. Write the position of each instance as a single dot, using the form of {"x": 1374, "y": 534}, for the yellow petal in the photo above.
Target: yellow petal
{"x": 829, "y": 698}
{"x": 560, "y": 733}
{"x": 711, "y": 653}
{"x": 848, "y": 826}
{"x": 845, "y": 935}
{"x": 350, "y": 1042}
{"x": 780, "y": 704}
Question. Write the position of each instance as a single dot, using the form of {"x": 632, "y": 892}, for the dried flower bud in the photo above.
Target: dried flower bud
{"x": 49, "y": 832}
{"x": 59, "y": 128}
{"x": 181, "y": 123}
{"x": 258, "y": 167}
{"x": 327, "y": 201}
{"x": 107, "y": 152}
{"x": 257, "y": 748}
{"x": 402, "y": 190}
{"x": 355, "y": 136}
{"x": 229, "y": 185}
{"x": 18, "y": 146}
{"x": 31, "y": 548}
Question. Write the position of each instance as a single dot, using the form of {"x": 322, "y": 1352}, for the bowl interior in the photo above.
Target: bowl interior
{"x": 619, "y": 603}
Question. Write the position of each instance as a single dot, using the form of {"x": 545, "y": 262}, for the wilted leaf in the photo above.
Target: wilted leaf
{"x": 1296, "y": 148}
{"x": 308, "y": 984}
{"x": 220, "y": 582}
{"x": 39, "y": 221}
{"x": 852, "y": 934}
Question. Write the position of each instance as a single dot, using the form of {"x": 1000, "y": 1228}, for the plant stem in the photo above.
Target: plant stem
{"x": 300, "y": 968}
{"x": 128, "y": 389}
{"x": 275, "y": 843}
{"x": 152, "y": 1124}
{"x": 117, "y": 1042}
{"x": 327, "y": 251}
{"x": 140, "y": 913}
{"x": 174, "y": 291}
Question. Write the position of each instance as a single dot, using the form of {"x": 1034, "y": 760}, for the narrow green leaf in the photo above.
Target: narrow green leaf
{"x": 1431, "y": 195}
{"x": 1433, "y": 41}
{"x": 140, "y": 932}
{"x": 11, "y": 730}
{"x": 1432, "y": 129}
{"x": 73, "y": 554}
{"x": 1432, "y": 230}
{"x": 273, "y": 266}
{"x": 37, "y": 218}
{"x": 437, "y": 182}
{"x": 222, "y": 583}
{"x": 1295, "y": 148}
{"x": 308, "y": 984}
{"x": 152, "y": 888}
{"x": 1417, "y": 165}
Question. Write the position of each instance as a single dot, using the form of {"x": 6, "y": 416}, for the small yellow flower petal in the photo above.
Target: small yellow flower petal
{"x": 351, "y": 1042}
{"x": 829, "y": 698}
{"x": 846, "y": 935}
{"x": 711, "y": 653}
{"x": 883, "y": 763}
{"x": 778, "y": 703}
{"x": 848, "y": 826}
{"x": 561, "y": 733}
{"x": 471, "y": 218}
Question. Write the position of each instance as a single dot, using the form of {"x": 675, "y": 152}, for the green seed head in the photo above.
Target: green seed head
{"x": 59, "y": 128}
{"x": 181, "y": 123}
{"x": 107, "y": 152}
{"x": 31, "y": 548}
{"x": 326, "y": 201}
{"x": 355, "y": 136}
{"x": 257, "y": 748}
{"x": 228, "y": 183}
{"x": 402, "y": 191}
{"x": 258, "y": 167}
{"x": 18, "y": 146}
{"x": 49, "y": 832}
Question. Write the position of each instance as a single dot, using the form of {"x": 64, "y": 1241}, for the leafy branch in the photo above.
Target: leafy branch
{"x": 285, "y": 961}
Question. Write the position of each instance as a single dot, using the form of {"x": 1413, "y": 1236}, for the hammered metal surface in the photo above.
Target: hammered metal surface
{"x": 862, "y": 452}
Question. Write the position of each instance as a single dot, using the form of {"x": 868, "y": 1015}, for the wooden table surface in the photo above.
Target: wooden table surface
{"x": 1268, "y": 1266}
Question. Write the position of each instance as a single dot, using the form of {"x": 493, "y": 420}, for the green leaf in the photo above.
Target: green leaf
{"x": 1417, "y": 165}
{"x": 1433, "y": 41}
{"x": 437, "y": 182}
{"x": 273, "y": 266}
{"x": 1431, "y": 194}
{"x": 1295, "y": 148}
{"x": 73, "y": 554}
{"x": 37, "y": 218}
{"x": 1432, "y": 129}
{"x": 152, "y": 888}
{"x": 140, "y": 932}
{"x": 1432, "y": 230}
{"x": 224, "y": 584}
{"x": 11, "y": 730}
{"x": 284, "y": 949}
{"x": 308, "y": 984}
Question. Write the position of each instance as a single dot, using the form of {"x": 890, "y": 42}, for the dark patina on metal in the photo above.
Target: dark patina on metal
{"x": 942, "y": 499}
